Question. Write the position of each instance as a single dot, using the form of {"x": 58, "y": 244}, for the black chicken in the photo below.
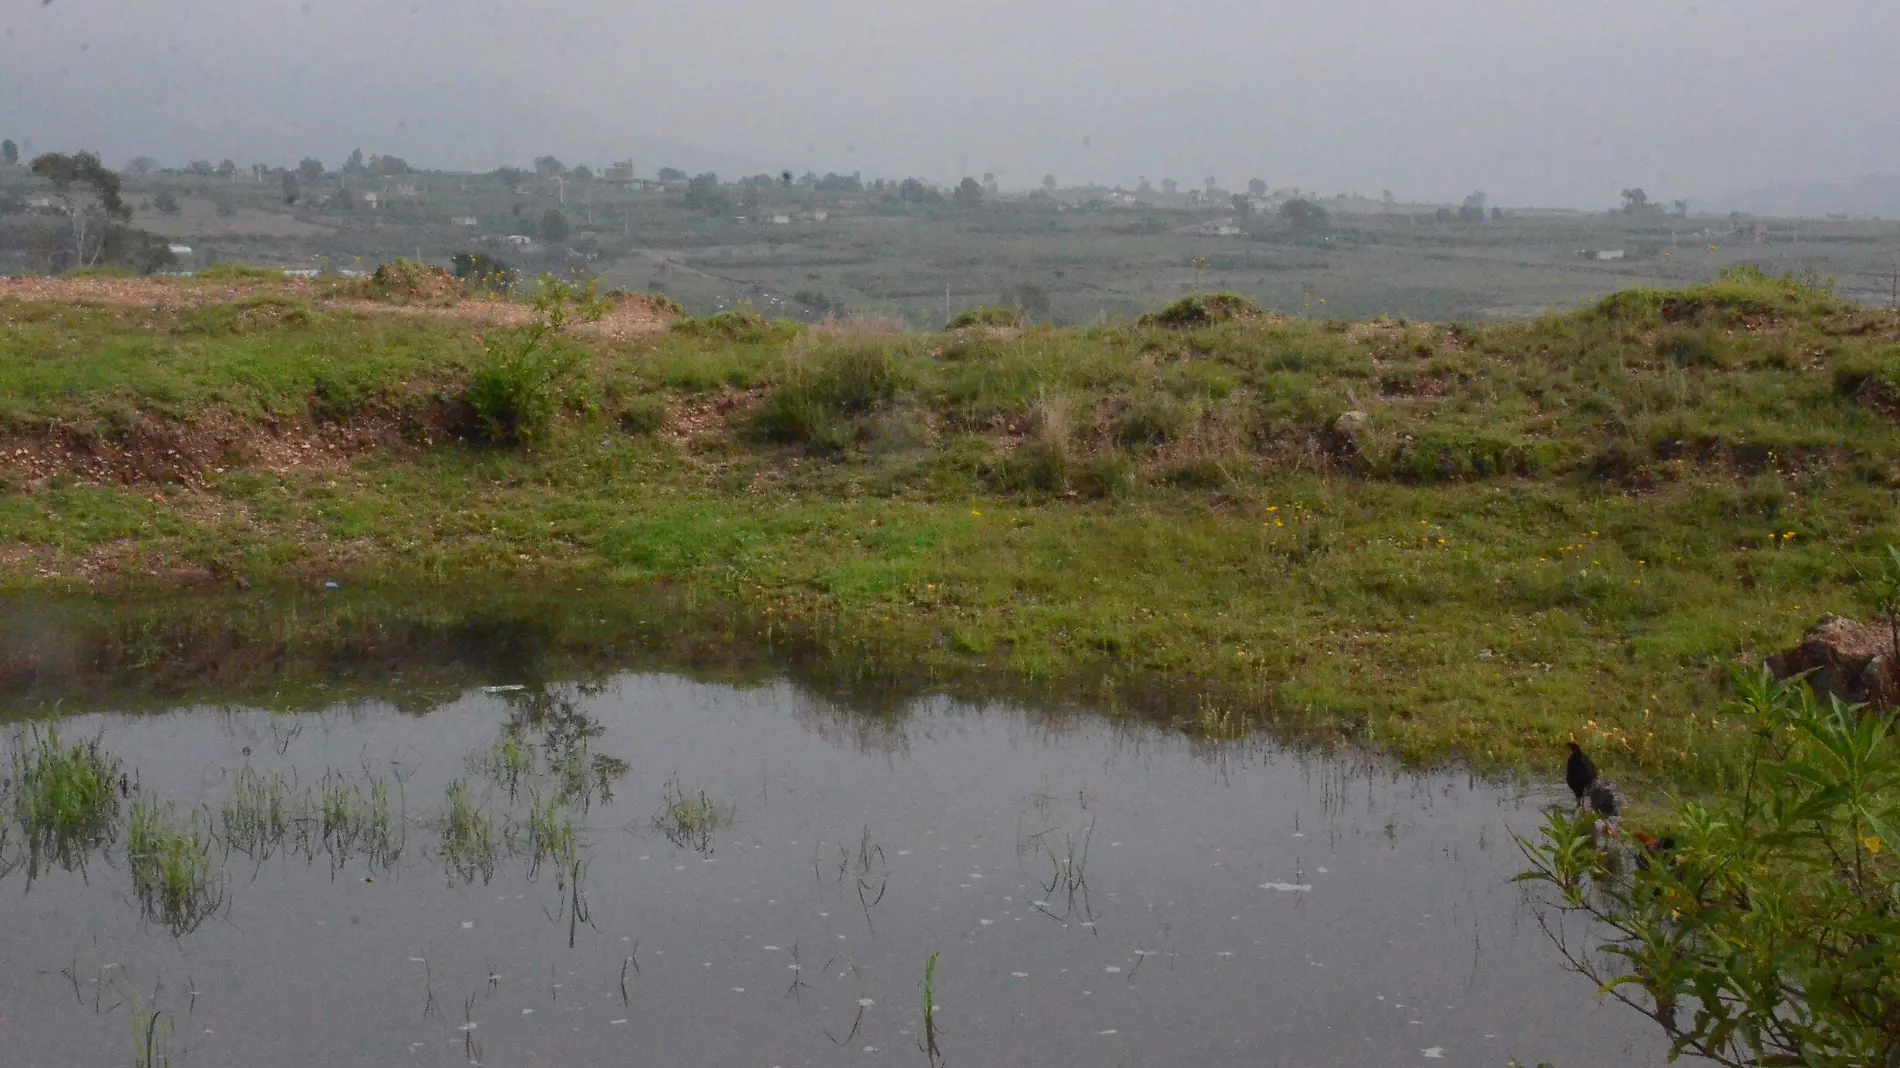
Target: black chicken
{"x": 1580, "y": 772}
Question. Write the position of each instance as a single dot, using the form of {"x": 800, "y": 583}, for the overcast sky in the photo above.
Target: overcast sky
{"x": 1538, "y": 102}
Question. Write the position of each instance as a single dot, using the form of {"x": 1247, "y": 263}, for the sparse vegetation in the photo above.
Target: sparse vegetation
{"x": 690, "y": 818}
{"x": 992, "y": 317}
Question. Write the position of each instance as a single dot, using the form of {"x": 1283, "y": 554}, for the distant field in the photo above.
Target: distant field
{"x": 923, "y": 263}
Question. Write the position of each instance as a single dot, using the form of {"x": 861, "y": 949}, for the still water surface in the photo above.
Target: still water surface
{"x": 1094, "y": 893}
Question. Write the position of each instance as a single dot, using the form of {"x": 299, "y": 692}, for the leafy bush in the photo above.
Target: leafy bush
{"x": 999, "y": 317}
{"x": 1202, "y": 309}
{"x": 513, "y": 397}
{"x": 1763, "y": 927}
{"x": 819, "y": 399}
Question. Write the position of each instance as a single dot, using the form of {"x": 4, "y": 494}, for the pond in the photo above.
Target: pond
{"x": 650, "y": 869}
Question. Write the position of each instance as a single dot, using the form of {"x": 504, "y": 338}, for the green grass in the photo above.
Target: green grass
{"x": 173, "y": 874}
{"x": 65, "y": 798}
{"x": 472, "y": 838}
{"x": 691, "y": 818}
{"x": 1562, "y": 526}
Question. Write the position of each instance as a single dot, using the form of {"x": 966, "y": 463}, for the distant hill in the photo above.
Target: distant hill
{"x": 1874, "y": 195}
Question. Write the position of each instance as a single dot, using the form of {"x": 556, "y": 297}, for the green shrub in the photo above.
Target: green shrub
{"x": 1757, "y": 927}
{"x": 1202, "y": 309}
{"x": 997, "y": 317}
{"x": 513, "y": 397}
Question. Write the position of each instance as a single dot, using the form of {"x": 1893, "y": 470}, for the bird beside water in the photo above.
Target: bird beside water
{"x": 1580, "y": 772}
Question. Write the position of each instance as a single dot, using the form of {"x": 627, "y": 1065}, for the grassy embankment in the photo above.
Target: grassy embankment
{"x": 1565, "y": 525}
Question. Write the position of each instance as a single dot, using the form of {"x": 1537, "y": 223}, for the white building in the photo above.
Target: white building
{"x": 465, "y": 220}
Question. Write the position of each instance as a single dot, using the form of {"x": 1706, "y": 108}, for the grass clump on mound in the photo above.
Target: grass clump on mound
{"x": 992, "y": 317}
{"x": 1740, "y": 293}
{"x": 822, "y": 399}
{"x": 239, "y": 272}
{"x": 1203, "y": 309}
{"x": 741, "y": 324}
{"x": 409, "y": 282}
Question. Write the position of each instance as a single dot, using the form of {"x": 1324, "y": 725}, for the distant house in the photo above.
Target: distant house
{"x": 621, "y": 173}
{"x": 465, "y": 220}
{"x": 301, "y": 272}
{"x": 820, "y": 216}
{"x": 518, "y": 240}
{"x": 180, "y": 251}
{"x": 370, "y": 201}
{"x": 781, "y": 220}
{"x": 43, "y": 204}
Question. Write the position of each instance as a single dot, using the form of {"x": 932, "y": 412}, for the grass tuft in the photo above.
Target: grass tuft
{"x": 65, "y": 797}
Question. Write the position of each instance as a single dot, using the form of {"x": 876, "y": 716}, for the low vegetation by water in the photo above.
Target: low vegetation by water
{"x": 1436, "y": 538}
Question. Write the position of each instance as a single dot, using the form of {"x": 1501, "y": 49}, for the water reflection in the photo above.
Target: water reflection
{"x": 729, "y": 875}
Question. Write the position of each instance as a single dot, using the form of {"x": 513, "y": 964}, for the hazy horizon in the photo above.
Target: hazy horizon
{"x": 1558, "y": 107}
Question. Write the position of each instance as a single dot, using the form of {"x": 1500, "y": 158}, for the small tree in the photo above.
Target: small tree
{"x": 310, "y": 170}
{"x": 1049, "y": 184}
{"x": 90, "y": 194}
{"x": 549, "y": 167}
{"x": 1169, "y": 186}
{"x": 1472, "y": 210}
{"x": 290, "y": 187}
{"x": 968, "y": 194}
{"x": 354, "y": 165}
{"x": 9, "y": 152}
{"x": 141, "y": 165}
{"x": 554, "y": 228}
{"x": 1256, "y": 187}
{"x": 200, "y": 168}
{"x": 516, "y": 392}
{"x": 1765, "y": 930}
{"x": 674, "y": 174}
{"x": 1635, "y": 201}
{"x": 227, "y": 169}
{"x": 165, "y": 202}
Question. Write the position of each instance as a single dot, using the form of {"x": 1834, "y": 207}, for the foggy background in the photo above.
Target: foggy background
{"x": 1552, "y": 104}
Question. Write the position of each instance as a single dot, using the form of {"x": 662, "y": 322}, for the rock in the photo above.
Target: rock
{"x": 1346, "y": 439}
{"x": 1850, "y": 660}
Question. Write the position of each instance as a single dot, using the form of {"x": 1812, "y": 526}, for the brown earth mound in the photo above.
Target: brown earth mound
{"x": 1850, "y": 660}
